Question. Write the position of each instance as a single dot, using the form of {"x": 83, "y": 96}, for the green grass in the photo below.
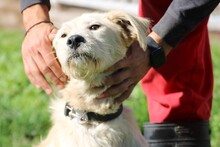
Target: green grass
{"x": 215, "y": 118}
{"x": 23, "y": 109}
{"x": 24, "y": 115}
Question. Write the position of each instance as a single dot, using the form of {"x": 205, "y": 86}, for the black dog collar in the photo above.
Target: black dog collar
{"x": 83, "y": 116}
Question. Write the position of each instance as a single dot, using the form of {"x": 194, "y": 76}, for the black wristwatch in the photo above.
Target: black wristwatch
{"x": 157, "y": 55}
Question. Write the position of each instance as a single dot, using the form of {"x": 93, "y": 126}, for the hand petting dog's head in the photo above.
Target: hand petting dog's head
{"x": 91, "y": 43}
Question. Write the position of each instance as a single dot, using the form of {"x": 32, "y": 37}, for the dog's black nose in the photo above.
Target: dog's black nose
{"x": 75, "y": 41}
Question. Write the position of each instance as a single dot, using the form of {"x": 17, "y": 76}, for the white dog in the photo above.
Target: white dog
{"x": 86, "y": 47}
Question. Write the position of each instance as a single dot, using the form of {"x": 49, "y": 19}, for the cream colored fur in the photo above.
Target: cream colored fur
{"x": 104, "y": 46}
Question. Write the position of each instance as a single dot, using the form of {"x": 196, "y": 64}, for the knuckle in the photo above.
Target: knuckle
{"x": 119, "y": 77}
{"x": 45, "y": 69}
{"x": 25, "y": 52}
{"x": 132, "y": 64}
{"x": 121, "y": 98}
{"x": 111, "y": 91}
{"x": 120, "y": 64}
{"x": 126, "y": 95}
{"x": 28, "y": 73}
{"x": 109, "y": 81}
{"x": 36, "y": 72}
{"x": 51, "y": 63}
{"x": 43, "y": 85}
{"x": 126, "y": 84}
{"x": 56, "y": 81}
{"x": 123, "y": 86}
{"x": 114, "y": 81}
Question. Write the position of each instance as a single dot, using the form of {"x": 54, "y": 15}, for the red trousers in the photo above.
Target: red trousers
{"x": 180, "y": 90}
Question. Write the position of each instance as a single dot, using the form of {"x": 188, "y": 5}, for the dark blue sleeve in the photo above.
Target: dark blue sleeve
{"x": 181, "y": 17}
{"x": 27, "y": 3}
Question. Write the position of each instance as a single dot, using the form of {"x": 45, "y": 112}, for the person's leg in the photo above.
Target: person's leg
{"x": 188, "y": 134}
{"x": 181, "y": 91}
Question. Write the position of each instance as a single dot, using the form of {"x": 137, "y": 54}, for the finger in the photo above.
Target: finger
{"x": 117, "y": 77}
{"x": 29, "y": 75}
{"x": 52, "y": 34}
{"x": 54, "y": 30}
{"x": 118, "y": 65}
{"x": 56, "y": 69}
{"x": 51, "y": 37}
{"x": 116, "y": 89}
{"x": 50, "y": 60}
{"x": 48, "y": 72}
{"x": 124, "y": 95}
{"x": 36, "y": 77}
{"x": 27, "y": 67}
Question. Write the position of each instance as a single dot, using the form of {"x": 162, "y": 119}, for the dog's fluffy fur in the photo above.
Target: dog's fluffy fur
{"x": 107, "y": 37}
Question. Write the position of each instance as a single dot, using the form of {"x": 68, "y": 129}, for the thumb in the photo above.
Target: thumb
{"x": 52, "y": 34}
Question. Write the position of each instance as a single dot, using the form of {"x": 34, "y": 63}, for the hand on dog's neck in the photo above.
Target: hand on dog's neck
{"x": 83, "y": 96}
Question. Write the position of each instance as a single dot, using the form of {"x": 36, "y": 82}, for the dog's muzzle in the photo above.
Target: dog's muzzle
{"x": 74, "y": 41}
{"x": 84, "y": 117}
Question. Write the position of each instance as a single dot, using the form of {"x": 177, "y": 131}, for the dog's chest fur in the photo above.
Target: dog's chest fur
{"x": 81, "y": 95}
{"x": 85, "y": 51}
{"x": 120, "y": 132}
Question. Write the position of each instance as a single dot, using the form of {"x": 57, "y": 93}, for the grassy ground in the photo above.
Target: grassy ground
{"x": 215, "y": 118}
{"x": 24, "y": 116}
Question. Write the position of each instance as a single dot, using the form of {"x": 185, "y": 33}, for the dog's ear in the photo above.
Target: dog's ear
{"x": 132, "y": 28}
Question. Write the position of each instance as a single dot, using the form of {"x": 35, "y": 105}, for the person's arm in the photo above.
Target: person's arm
{"x": 34, "y": 11}
{"x": 39, "y": 60}
{"x": 34, "y": 14}
{"x": 181, "y": 17}
{"x": 27, "y": 3}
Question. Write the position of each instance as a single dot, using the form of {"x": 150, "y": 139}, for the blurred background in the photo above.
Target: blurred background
{"x": 24, "y": 115}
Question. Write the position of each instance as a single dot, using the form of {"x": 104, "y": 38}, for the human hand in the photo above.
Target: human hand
{"x": 39, "y": 59}
{"x": 127, "y": 73}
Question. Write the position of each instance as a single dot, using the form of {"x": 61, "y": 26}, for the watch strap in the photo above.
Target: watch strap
{"x": 157, "y": 55}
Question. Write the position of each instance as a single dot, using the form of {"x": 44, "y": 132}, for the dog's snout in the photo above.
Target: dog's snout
{"x": 75, "y": 41}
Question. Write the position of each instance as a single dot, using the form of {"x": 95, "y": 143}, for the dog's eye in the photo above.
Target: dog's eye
{"x": 63, "y": 35}
{"x": 94, "y": 27}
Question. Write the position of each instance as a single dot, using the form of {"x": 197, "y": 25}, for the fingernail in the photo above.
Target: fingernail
{"x": 60, "y": 87}
{"x": 100, "y": 96}
{"x": 48, "y": 91}
{"x": 37, "y": 86}
{"x": 63, "y": 78}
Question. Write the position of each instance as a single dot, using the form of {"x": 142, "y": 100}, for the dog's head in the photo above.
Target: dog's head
{"x": 93, "y": 42}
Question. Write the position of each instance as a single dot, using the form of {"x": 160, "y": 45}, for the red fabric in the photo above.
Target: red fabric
{"x": 180, "y": 90}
